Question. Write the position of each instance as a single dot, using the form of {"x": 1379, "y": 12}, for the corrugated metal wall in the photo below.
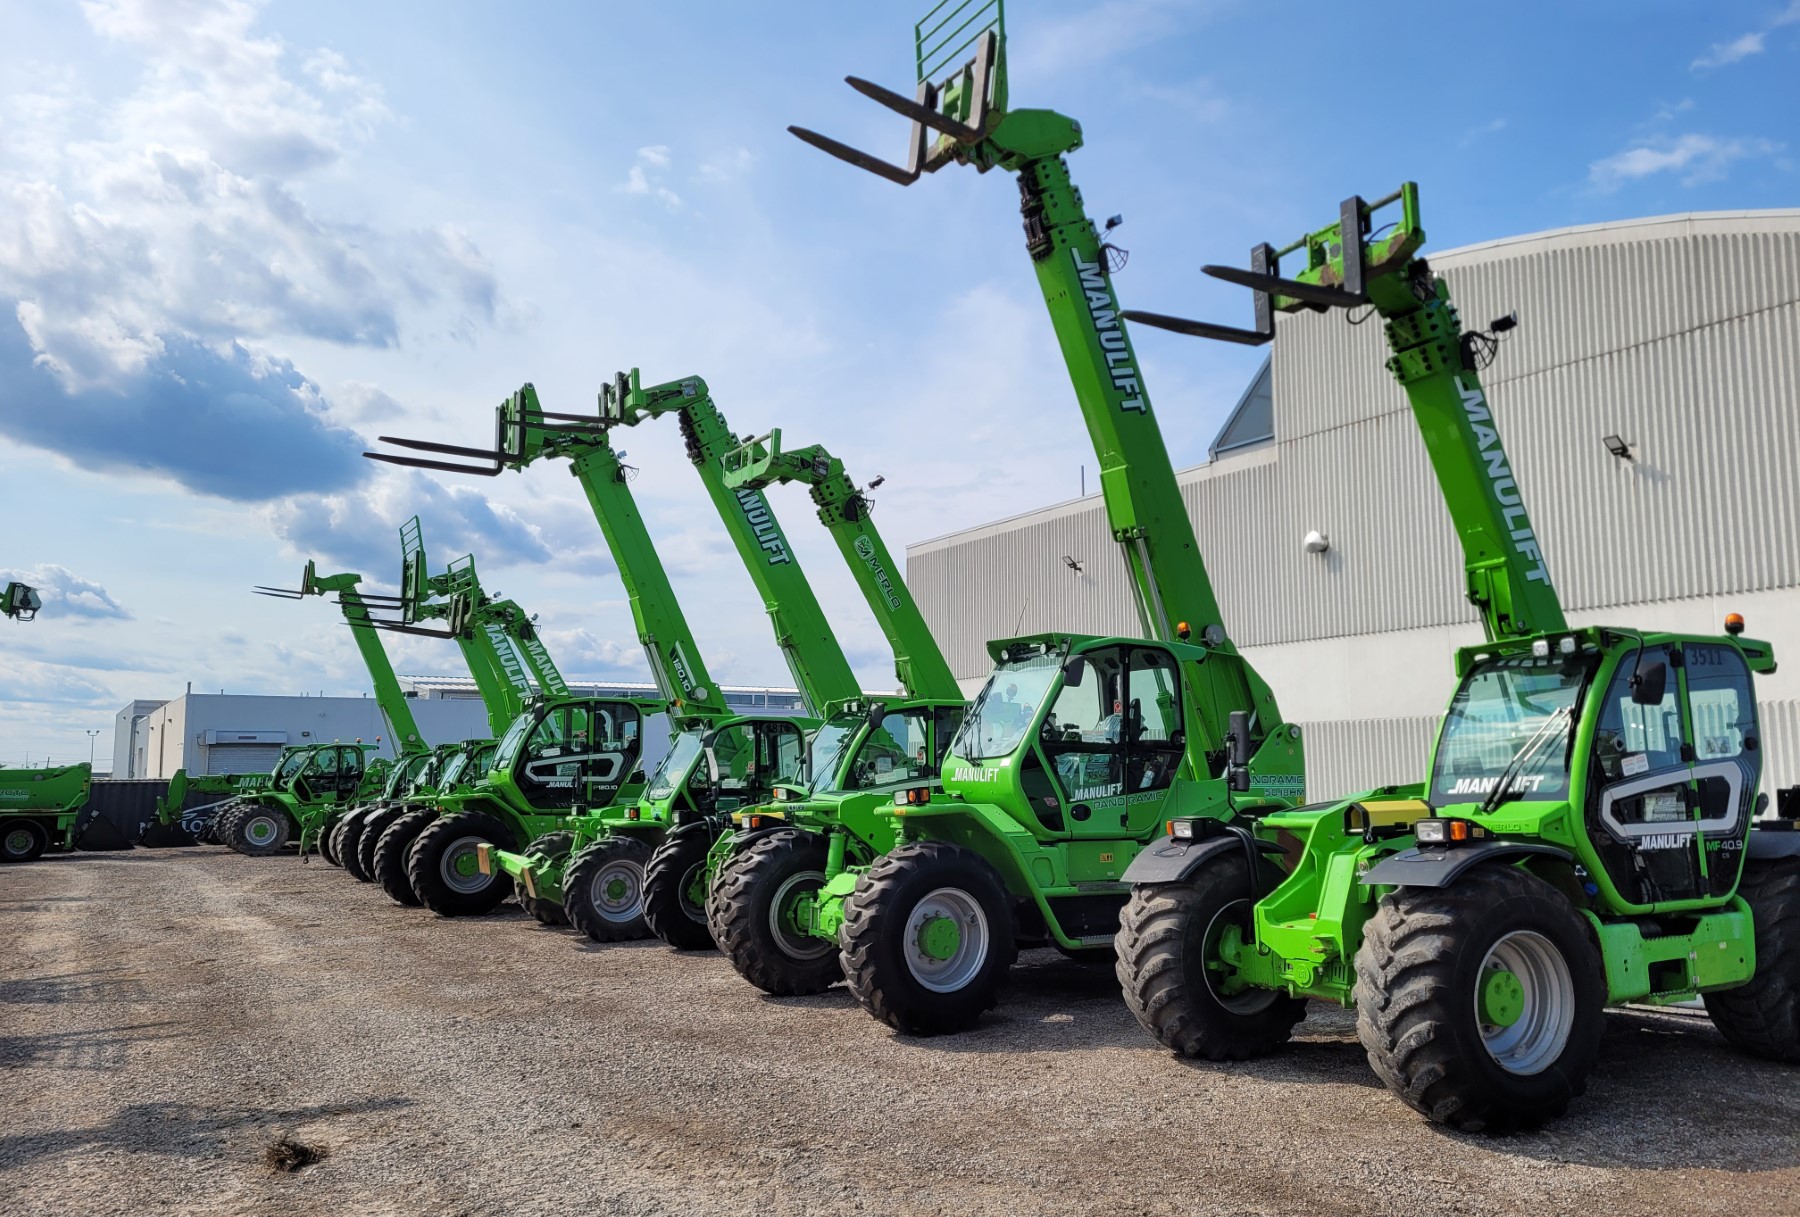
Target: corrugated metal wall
{"x": 1681, "y": 335}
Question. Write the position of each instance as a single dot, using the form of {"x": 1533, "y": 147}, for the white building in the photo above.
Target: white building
{"x": 234, "y": 733}
{"x": 1679, "y": 335}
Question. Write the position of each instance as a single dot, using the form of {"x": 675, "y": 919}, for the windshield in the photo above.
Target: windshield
{"x": 291, "y": 765}
{"x": 403, "y": 773}
{"x": 511, "y": 741}
{"x": 683, "y": 751}
{"x": 895, "y": 751}
{"x": 1501, "y": 706}
{"x": 1003, "y": 713}
{"x": 454, "y": 769}
{"x": 828, "y": 745}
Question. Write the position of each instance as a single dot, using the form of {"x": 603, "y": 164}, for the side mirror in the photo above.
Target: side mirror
{"x": 1238, "y": 738}
{"x": 1074, "y": 672}
{"x": 1649, "y": 683}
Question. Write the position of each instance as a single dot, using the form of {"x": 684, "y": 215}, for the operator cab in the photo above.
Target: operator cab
{"x": 714, "y": 770}
{"x": 573, "y": 753}
{"x": 878, "y": 746}
{"x": 1651, "y": 739}
{"x": 1091, "y": 731}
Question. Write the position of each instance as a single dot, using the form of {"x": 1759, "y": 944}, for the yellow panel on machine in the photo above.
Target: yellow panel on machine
{"x": 1385, "y": 813}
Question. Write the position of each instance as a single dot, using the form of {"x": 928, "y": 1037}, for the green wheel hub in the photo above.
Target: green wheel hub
{"x": 939, "y": 938}
{"x": 1502, "y": 999}
{"x": 616, "y": 889}
{"x": 466, "y": 864}
{"x": 260, "y": 831}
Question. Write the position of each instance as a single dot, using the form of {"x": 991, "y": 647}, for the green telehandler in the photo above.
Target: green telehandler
{"x": 20, "y": 601}
{"x": 39, "y": 808}
{"x": 555, "y": 751}
{"x": 597, "y": 870}
{"x": 762, "y": 881}
{"x": 1078, "y": 748}
{"x": 314, "y": 785}
{"x": 1590, "y": 831}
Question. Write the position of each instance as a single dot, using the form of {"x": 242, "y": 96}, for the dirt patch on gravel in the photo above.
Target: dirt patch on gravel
{"x": 168, "y": 1016}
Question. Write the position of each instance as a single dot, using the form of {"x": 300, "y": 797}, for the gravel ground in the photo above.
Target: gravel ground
{"x": 167, "y": 1016}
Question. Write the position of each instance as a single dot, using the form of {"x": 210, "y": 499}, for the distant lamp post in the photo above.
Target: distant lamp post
{"x": 1617, "y": 447}
{"x": 92, "y": 736}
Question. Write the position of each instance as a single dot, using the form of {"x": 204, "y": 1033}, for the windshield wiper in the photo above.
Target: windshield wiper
{"x": 1528, "y": 750}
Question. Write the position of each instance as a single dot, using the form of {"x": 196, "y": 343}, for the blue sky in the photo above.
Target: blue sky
{"x": 240, "y": 239}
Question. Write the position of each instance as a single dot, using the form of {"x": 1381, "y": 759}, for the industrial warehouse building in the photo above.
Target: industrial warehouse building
{"x": 233, "y": 733}
{"x": 1675, "y": 340}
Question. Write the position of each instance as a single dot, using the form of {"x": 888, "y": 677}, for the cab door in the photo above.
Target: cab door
{"x": 1114, "y": 740}
{"x": 1671, "y": 784}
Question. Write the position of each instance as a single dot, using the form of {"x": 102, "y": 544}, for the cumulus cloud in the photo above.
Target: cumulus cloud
{"x": 1693, "y": 158}
{"x": 581, "y": 651}
{"x": 156, "y": 241}
{"x": 50, "y": 684}
{"x": 229, "y": 423}
{"x": 359, "y": 529}
{"x": 65, "y": 593}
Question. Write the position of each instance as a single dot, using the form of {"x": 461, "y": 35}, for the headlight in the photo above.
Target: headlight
{"x": 1448, "y": 832}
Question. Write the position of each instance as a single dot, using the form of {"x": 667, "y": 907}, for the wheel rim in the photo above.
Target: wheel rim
{"x": 19, "y": 841}
{"x": 947, "y": 939}
{"x": 617, "y": 890}
{"x": 1248, "y": 1000}
{"x": 793, "y": 941}
{"x": 1524, "y": 1002}
{"x": 260, "y": 831}
{"x": 693, "y": 892}
{"x": 460, "y": 867}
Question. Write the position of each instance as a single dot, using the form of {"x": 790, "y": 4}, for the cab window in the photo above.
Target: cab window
{"x": 897, "y": 750}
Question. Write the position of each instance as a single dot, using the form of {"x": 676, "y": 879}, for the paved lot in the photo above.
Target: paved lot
{"x": 166, "y": 1016}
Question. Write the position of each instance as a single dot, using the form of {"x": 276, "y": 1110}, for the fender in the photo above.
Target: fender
{"x": 1772, "y": 844}
{"x": 1437, "y": 867}
{"x": 1166, "y": 860}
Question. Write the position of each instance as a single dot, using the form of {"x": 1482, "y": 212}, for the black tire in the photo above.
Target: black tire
{"x": 676, "y": 869}
{"x": 1419, "y": 979}
{"x": 22, "y": 840}
{"x": 220, "y": 827}
{"x": 603, "y": 889}
{"x": 1168, "y": 935}
{"x": 744, "y": 909}
{"x": 555, "y": 846}
{"x": 388, "y": 859}
{"x": 347, "y": 842}
{"x": 1763, "y": 1016}
{"x": 440, "y": 865}
{"x": 374, "y": 824}
{"x": 328, "y": 841}
{"x": 261, "y": 832}
{"x": 889, "y": 980}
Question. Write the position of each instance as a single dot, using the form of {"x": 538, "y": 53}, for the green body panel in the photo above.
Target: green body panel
{"x": 20, "y": 601}
{"x": 52, "y": 797}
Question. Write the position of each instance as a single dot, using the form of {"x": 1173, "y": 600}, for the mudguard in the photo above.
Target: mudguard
{"x": 1166, "y": 860}
{"x": 1770, "y": 844}
{"x": 1439, "y": 867}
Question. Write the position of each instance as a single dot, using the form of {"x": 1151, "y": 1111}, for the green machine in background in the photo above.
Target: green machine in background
{"x": 555, "y": 751}
{"x": 313, "y": 785}
{"x": 39, "y": 808}
{"x": 763, "y": 880}
{"x": 1079, "y": 748}
{"x": 1590, "y": 831}
{"x": 593, "y": 870}
{"x": 20, "y": 601}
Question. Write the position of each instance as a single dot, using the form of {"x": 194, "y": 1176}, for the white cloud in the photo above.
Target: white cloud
{"x": 646, "y": 175}
{"x": 580, "y": 652}
{"x": 729, "y": 167}
{"x": 1694, "y": 158}
{"x": 65, "y": 593}
{"x": 1491, "y": 127}
{"x": 1723, "y": 54}
{"x": 175, "y": 210}
{"x": 1048, "y": 46}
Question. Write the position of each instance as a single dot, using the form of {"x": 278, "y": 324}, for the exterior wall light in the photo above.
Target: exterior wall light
{"x": 1316, "y": 542}
{"x": 1617, "y": 446}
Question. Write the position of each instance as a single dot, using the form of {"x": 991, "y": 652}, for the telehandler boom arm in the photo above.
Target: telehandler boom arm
{"x": 844, "y": 510}
{"x": 1438, "y": 364}
{"x": 402, "y": 730}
